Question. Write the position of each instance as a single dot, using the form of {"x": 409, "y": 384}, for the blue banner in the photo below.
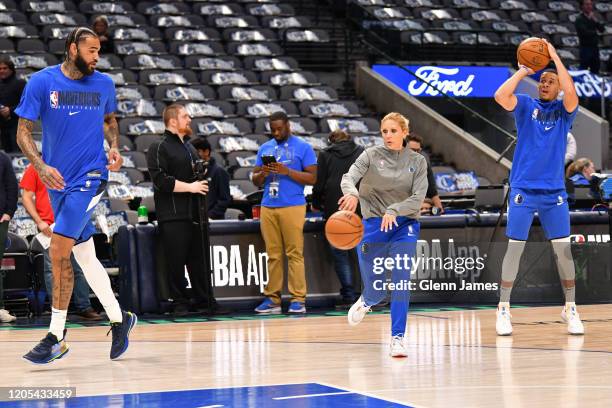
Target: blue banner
{"x": 457, "y": 81}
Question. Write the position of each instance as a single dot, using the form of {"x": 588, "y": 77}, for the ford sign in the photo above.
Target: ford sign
{"x": 457, "y": 81}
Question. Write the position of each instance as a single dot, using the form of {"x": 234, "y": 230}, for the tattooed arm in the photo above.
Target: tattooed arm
{"x": 49, "y": 175}
{"x": 111, "y": 134}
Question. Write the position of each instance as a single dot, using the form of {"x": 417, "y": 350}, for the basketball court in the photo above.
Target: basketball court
{"x": 317, "y": 360}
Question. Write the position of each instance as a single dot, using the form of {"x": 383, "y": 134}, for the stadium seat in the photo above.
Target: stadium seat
{"x": 255, "y": 109}
{"x": 136, "y": 34}
{"x": 232, "y": 126}
{"x": 133, "y": 92}
{"x": 208, "y": 48}
{"x": 105, "y": 7}
{"x": 196, "y": 93}
{"x": 270, "y": 64}
{"x": 301, "y": 94}
{"x": 213, "y": 109}
{"x": 228, "y": 21}
{"x": 191, "y": 34}
{"x": 214, "y": 77}
{"x": 240, "y": 93}
{"x": 144, "y": 141}
{"x": 143, "y": 61}
{"x": 6, "y": 46}
{"x": 156, "y": 8}
{"x": 277, "y": 78}
{"x": 13, "y": 31}
{"x": 249, "y": 34}
{"x": 224, "y": 63}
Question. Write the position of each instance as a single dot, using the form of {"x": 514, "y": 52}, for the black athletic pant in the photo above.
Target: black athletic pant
{"x": 182, "y": 244}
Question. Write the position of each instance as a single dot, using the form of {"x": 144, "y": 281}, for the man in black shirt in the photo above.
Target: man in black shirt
{"x": 11, "y": 89}
{"x": 8, "y": 206}
{"x": 218, "y": 197}
{"x": 171, "y": 165}
{"x": 587, "y": 28}
{"x": 332, "y": 163}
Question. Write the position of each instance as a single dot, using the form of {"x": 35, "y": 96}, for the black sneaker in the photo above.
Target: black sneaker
{"x": 121, "y": 332}
{"x": 48, "y": 350}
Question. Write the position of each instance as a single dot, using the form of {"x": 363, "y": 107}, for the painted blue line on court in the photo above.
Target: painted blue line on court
{"x": 309, "y": 395}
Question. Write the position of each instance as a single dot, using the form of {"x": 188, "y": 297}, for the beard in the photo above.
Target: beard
{"x": 82, "y": 66}
{"x": 186, "y": 131}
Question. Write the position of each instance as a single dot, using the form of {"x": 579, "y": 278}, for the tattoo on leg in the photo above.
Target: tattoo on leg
{"x": 63, "y": 283}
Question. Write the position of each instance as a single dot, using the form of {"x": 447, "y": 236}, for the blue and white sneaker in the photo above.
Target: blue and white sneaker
{"x": 297, "y": 307}
{"x": 268, "y": 307}
{"x": 49, "y": 349}
{"x": 121, "y": 332}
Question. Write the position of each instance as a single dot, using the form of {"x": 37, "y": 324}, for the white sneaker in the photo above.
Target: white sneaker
{"x": 357, "y": 312}
{"x": 6, "y": 317}
{"x": 572, "y": 318}
{"x": 398, "y": 347}
{"x": 503, "y": 325}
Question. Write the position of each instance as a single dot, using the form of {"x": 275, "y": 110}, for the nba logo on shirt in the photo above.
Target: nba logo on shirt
{"x": 534, "y": 115}
{"x": 54, "y": 99}
{"x": 381, "y": 164}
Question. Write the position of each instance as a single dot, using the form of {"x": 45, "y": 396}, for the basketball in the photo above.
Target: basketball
{"x": 344, "y": 230}
{"x": 533, "y": 53}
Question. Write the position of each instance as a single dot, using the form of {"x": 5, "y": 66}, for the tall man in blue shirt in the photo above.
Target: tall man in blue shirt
{"x": 537, "y": 182}
{"x": 76, "y": 106}
{"x": 293, "y": 164}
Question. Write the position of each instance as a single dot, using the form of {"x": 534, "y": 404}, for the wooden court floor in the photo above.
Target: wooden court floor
{"x": 455, "y": 360}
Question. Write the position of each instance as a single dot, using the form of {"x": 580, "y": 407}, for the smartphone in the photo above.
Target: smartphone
{"x": 268, "y": 159}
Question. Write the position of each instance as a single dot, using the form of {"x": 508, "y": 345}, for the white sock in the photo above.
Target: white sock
{"x": 97, "y": 278}
{"x": 58, "y": 322}
{"x": 568, "y": 305}
{"x": 504, "y": 304}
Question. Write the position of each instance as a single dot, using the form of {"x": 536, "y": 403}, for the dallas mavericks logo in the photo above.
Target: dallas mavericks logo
{"x": 54, "y": 99}
{"x": 518, "y": 199}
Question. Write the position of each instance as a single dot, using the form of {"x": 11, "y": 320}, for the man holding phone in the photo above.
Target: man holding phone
{"x": 284, "y": 165}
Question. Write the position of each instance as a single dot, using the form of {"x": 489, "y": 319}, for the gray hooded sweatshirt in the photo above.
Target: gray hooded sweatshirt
{"x": 392, "y": 182}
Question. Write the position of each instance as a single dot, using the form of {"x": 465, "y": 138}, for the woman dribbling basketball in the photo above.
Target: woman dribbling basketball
{"x": 393, "y": 186}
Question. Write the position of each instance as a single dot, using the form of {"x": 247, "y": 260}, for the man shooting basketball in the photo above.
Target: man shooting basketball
{"x": 76, "y": 106}
{"x": 536, "y": 180}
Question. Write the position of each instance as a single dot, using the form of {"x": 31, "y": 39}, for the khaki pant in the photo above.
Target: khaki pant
{"x": 284, "y": 226}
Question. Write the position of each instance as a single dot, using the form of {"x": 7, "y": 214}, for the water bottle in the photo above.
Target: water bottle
{"x": 143, "y": 215}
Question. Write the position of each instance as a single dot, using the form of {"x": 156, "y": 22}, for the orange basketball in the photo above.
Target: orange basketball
{"x": 344, "y": 230}
{"x": 533, "y": 53}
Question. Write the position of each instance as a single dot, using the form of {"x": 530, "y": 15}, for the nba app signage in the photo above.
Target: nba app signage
{"x": 457, "y": 81}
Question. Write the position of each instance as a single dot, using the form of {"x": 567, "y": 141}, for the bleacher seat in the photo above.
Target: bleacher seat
{"x": 237, "y": 93}
{"x": 172, "y": 93}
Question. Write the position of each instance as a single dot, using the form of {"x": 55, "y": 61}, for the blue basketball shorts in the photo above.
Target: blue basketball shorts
{"x": 552, "y": 209}
{"x": 73, "y": 206}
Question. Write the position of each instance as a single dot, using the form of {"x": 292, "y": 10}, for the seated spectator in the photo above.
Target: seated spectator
{"x": 218, "y": 197}
{"x": 580, "y": 172}
{"x": 100, "y": 27}
{"x": 426, "y": 206}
